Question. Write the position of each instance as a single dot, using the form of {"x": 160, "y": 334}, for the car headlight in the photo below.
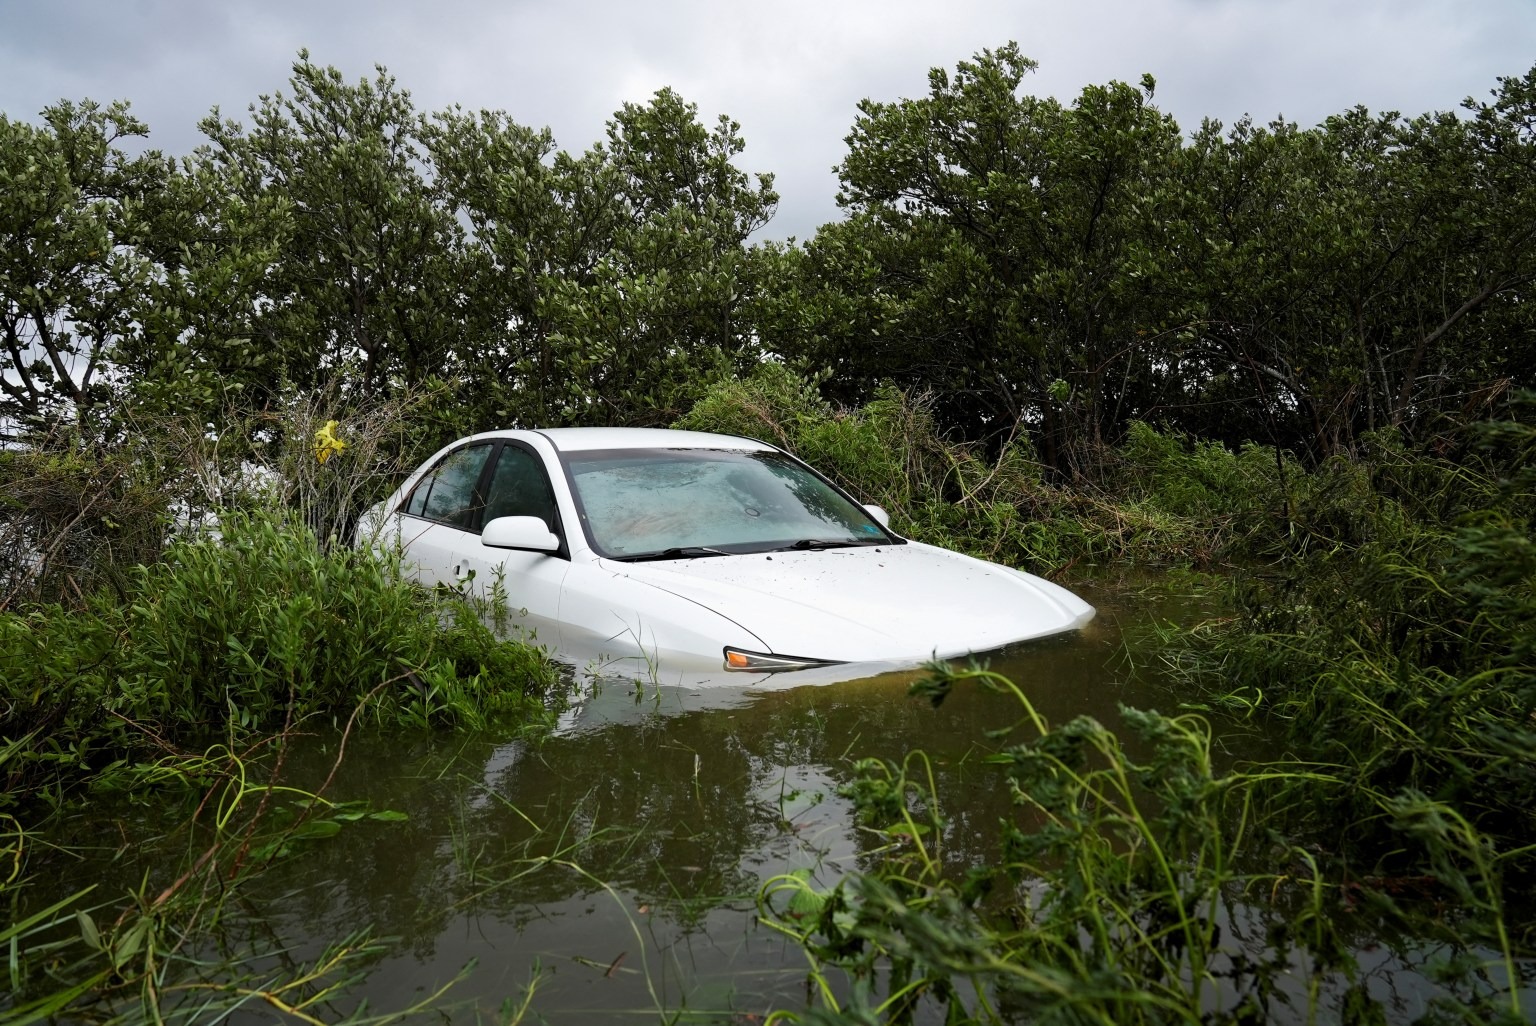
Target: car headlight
{"x": 763, "y": 662}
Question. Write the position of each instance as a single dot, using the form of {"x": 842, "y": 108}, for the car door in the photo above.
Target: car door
{"x": 529, "y": 583}
{"x": 440, "y": 518}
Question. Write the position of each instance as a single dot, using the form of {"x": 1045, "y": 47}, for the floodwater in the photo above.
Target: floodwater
{"x": 665, "y": 810}
{"x": 613, "y": 867}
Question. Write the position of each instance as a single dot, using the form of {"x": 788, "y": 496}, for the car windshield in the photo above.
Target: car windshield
{"x": 678, "y": 503}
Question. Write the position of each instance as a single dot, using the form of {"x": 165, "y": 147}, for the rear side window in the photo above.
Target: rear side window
{"x": 519, "y": 488}
{"x": 447, "y": 493}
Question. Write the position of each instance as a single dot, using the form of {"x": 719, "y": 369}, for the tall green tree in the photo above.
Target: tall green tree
{"x": 1359, "y": 275}
{"x": 369, "y": 273}
{"x": 1016, "y": 245}
{"x": 662, "y": 310}
{"x": 1063, "y": 269}
{"x": 198, "y": 351}
{"x": 607, "y": 286}
{"x": 535, "y": 217}
{"x": 70, "y": 277}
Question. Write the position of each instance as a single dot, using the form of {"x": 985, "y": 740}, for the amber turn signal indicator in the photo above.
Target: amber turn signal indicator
{"x": 765, "y": 662}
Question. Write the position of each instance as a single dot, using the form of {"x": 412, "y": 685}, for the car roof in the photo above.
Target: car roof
{"x": 586, "y": 438}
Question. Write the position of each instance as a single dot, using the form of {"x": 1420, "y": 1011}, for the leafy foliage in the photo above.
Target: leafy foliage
{"x": 1399, "y": 647}
{"x": 73, "y": 522}
{"x": 1056, "y": 271}
{"x": 1046, "y": 332}
{"x": 608, "y": 286}
{"x": 69, "y": 283}
{"x": 1123, "y": 891}
{"x": 1168, "y": 501}
{"x": 1076, "y": 268}
{"x": 253, "y": 631}
{"x": 370, "y": 254}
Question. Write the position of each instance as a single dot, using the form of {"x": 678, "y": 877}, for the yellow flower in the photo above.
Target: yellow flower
{"x": 326, "y": 442}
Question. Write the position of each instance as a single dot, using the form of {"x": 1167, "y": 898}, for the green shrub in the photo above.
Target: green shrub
{"x": 889, "y": 452}
{"x": 1133, "y": 883}
{"x": 254, "y": 631}
{"x": 1397, "y": 643}
{"x": 73, "y": 520}
{"x": 77, "y": 515}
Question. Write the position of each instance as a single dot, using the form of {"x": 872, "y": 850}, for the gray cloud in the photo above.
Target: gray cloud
{"x": 791, "y": 72}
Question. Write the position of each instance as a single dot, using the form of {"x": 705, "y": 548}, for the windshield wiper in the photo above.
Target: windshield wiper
{"x": 678, "y": 552}
{"x": 822, "y": 543}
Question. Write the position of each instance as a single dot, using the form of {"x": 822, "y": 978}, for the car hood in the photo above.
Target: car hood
{"x": 907, "y": 601}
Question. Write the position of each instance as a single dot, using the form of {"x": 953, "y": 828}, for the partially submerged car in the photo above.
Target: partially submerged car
{"x": 692, "y": 555}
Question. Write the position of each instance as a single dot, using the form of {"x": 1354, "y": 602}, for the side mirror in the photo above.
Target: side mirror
{"x": 881, "y": 516}
{"x": 519, "y": 533}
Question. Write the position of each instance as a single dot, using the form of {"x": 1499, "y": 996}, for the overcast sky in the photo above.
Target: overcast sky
{"x": 790, "y": 72}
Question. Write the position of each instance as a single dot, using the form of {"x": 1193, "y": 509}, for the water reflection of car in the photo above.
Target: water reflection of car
{"x": 693, "y": 554}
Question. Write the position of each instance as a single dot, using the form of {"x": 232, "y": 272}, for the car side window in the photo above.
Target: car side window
{"x": 519, "y": 488}
{"x": 418, "y": 499}
{"x": 448, "y": 492}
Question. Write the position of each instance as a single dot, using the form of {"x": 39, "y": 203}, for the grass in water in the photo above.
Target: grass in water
{"x": 1126, "y": 889}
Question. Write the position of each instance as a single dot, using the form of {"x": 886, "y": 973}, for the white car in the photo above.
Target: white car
{"x": 686, "y": 556}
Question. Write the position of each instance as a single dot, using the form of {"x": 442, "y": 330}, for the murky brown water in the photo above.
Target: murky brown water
{"x": 614, "y": 865}
{"x": 681, "y": 802}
